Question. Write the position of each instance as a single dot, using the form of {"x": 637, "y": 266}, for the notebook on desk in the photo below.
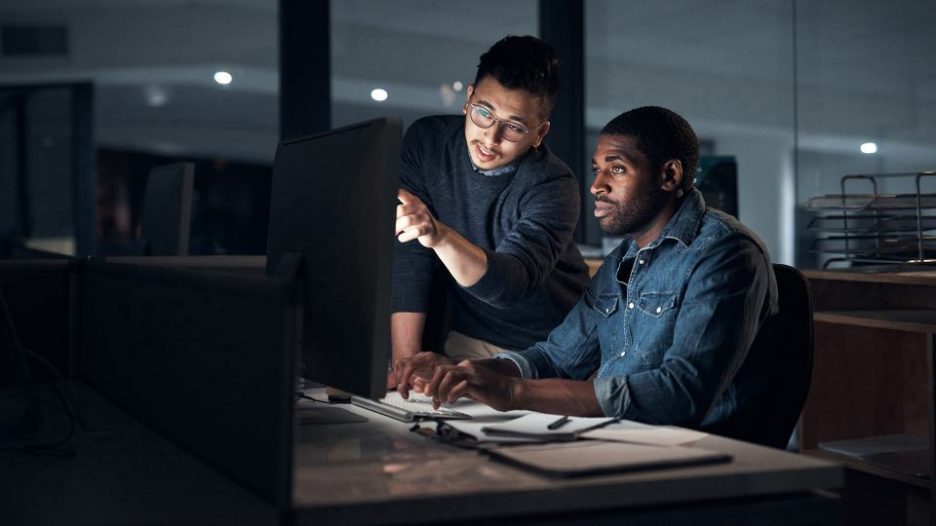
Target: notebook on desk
{"x": 593, "y": 457}
{"x": 417, "y": 407}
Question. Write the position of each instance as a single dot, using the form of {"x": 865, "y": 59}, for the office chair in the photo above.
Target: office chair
{"x": 784, "y": 347}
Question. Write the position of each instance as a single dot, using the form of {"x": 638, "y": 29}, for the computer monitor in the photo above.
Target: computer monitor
{"x": 332, "y": 212}
{"x": 167, "y": 210}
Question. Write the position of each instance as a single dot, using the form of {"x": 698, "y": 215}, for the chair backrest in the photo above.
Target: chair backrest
{"x": 784, "y": 347}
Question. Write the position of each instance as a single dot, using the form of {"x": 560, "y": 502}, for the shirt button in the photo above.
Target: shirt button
{"x": 623, "y": 353}
{"x": 641, "y": 261}
{"x": 659, "y": 310}
{"x": 630, "y": 305}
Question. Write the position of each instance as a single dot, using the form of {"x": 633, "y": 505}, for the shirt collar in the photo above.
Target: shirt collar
{"x": 500, "y": 170}
{"x": 684, "y": 224}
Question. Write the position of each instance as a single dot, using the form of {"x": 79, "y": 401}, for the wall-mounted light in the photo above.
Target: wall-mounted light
{"x": 379, "y": 94}
{"x": 223, "y": 77}
{"x": 868, "y": 147}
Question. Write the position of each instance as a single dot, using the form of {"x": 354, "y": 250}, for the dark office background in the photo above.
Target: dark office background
{"x": 93, "y": 93}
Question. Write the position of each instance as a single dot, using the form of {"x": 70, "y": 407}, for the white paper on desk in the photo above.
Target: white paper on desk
{"x": 650, "y": 435}
{"x": 536, "y": 425}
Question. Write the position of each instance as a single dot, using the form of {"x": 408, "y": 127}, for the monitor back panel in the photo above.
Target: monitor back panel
{"x": 167, "y": 210}
{"x": 334, "y": 201}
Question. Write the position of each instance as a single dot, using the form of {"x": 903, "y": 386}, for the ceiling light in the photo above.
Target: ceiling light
{"x": 457, "y": 85}
{"x": 156, "y": 96}
{"x": 868, "y": 147}
{"x": 378, "y": 94}
{"x": 223, "y": 77}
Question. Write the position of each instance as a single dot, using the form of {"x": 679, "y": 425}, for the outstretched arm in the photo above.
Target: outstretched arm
{"x": 466, "y": 261}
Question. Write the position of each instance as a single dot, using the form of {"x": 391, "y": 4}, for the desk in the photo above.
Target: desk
{"x": 874, "y": 376}
{"x": 122, "y": 473}
{"x": 381, "y": 473}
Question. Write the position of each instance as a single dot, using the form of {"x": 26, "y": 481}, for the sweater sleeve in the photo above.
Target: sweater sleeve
{"x": 549, "y": 213}
{"x": 412, "y": 262}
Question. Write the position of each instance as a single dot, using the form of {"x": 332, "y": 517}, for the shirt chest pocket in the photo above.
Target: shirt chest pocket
{"x": 603, "y": 303}
{"x": 652, "y": 326}
{"x": 656, "y": 304}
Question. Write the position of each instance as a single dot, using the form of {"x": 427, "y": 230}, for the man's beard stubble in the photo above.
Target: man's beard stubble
{"x": 625, "y": 221}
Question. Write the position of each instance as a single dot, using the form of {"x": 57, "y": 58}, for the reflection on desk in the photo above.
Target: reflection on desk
{"x": 381, "y": 472}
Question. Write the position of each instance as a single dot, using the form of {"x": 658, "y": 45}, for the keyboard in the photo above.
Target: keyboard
{"x": 416, "y": 408}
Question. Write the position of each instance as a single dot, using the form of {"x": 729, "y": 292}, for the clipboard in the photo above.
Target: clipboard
{"x": 594, "y": 457}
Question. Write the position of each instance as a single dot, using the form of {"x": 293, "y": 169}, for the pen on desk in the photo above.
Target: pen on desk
{"x": 558, "y": 423}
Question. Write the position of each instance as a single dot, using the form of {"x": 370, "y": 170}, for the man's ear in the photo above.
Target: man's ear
{"x": 672, "y": 177}
{"x": 541, "y": 132}
{"x": 468, "y": 93}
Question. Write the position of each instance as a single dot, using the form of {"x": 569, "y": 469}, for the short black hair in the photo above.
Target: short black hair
{"x": 525, "y": 63}
{"x": 661, "y": 135}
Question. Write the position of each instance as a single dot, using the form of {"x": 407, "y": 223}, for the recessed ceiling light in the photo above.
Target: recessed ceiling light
{"x": 868, "y": 147}
{"x": 156, "y": 96}
{"x": 223, "y": 77}
{"x": 457, "y": 85}
{"x": 378, "y": 94}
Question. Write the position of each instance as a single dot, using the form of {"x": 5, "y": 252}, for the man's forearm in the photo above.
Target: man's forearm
{"x": 406, "y": 331}
{"x": 558, "y": 396}
{"x": 465, "y": 261}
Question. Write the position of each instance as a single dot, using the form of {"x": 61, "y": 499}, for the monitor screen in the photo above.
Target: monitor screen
{"x": 167, "y": 210}
{"x": 332, "y": 210}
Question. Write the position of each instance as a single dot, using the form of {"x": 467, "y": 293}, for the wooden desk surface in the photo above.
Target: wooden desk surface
{"x": 354, "y": 473}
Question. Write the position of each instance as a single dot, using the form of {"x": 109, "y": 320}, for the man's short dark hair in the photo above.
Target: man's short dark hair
{"x": 661, "y": 135}
{"x": 525, "y": 63}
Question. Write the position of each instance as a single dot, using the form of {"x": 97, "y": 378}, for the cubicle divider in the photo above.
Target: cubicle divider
{"x": 37, "y": 292}
{"x": 207, "y": 359}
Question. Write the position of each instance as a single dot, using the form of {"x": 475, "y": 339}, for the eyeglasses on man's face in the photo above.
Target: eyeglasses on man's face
{"x": 485, "y": 118}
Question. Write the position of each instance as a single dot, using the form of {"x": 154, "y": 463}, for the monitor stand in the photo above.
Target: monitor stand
{"x": 322, "y": 414}
{"x": 318, "y": 412}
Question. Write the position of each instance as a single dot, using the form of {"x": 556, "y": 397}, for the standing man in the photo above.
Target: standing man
{"x": 666, "y": 323}
{"x": 486, "y": 207}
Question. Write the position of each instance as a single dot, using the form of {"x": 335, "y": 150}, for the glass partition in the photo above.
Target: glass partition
{"x": 727, "y": 67}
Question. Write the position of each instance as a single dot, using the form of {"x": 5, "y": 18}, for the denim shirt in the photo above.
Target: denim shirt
{"x": 667, "y": 326}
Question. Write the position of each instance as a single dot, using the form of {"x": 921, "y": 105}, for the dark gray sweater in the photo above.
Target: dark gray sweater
{"x": 524, "y": 221}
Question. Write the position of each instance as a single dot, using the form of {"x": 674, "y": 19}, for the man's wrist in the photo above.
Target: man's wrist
{"x": 517, "y": 389}
{"x": 443, "y": 234}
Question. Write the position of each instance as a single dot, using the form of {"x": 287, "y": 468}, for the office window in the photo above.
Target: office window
{"x": 171, "y": 81}
{"x": 866, "y": 97}
{"x": 413, "y": 58}
{"x": 727, "y": 67}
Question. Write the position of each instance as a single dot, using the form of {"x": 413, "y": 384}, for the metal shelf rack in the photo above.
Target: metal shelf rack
{"x": 876, "y": 228}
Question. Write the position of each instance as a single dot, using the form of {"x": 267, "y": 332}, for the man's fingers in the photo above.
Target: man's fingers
{"x": 406, "y": 197}
{"x": 457, "y": 391}
{"x": 433, "y": 388}
{"x": 448, "y": 381}
{"x": 413, "y": 232}
{"x": 419, "y": 384}
{"x": 410, "y": 209}
{"x": 403, "y": 384}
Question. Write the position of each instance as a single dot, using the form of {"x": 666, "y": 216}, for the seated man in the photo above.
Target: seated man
{"x": 488, "y": 208}
{"x": 668, "y": 319}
